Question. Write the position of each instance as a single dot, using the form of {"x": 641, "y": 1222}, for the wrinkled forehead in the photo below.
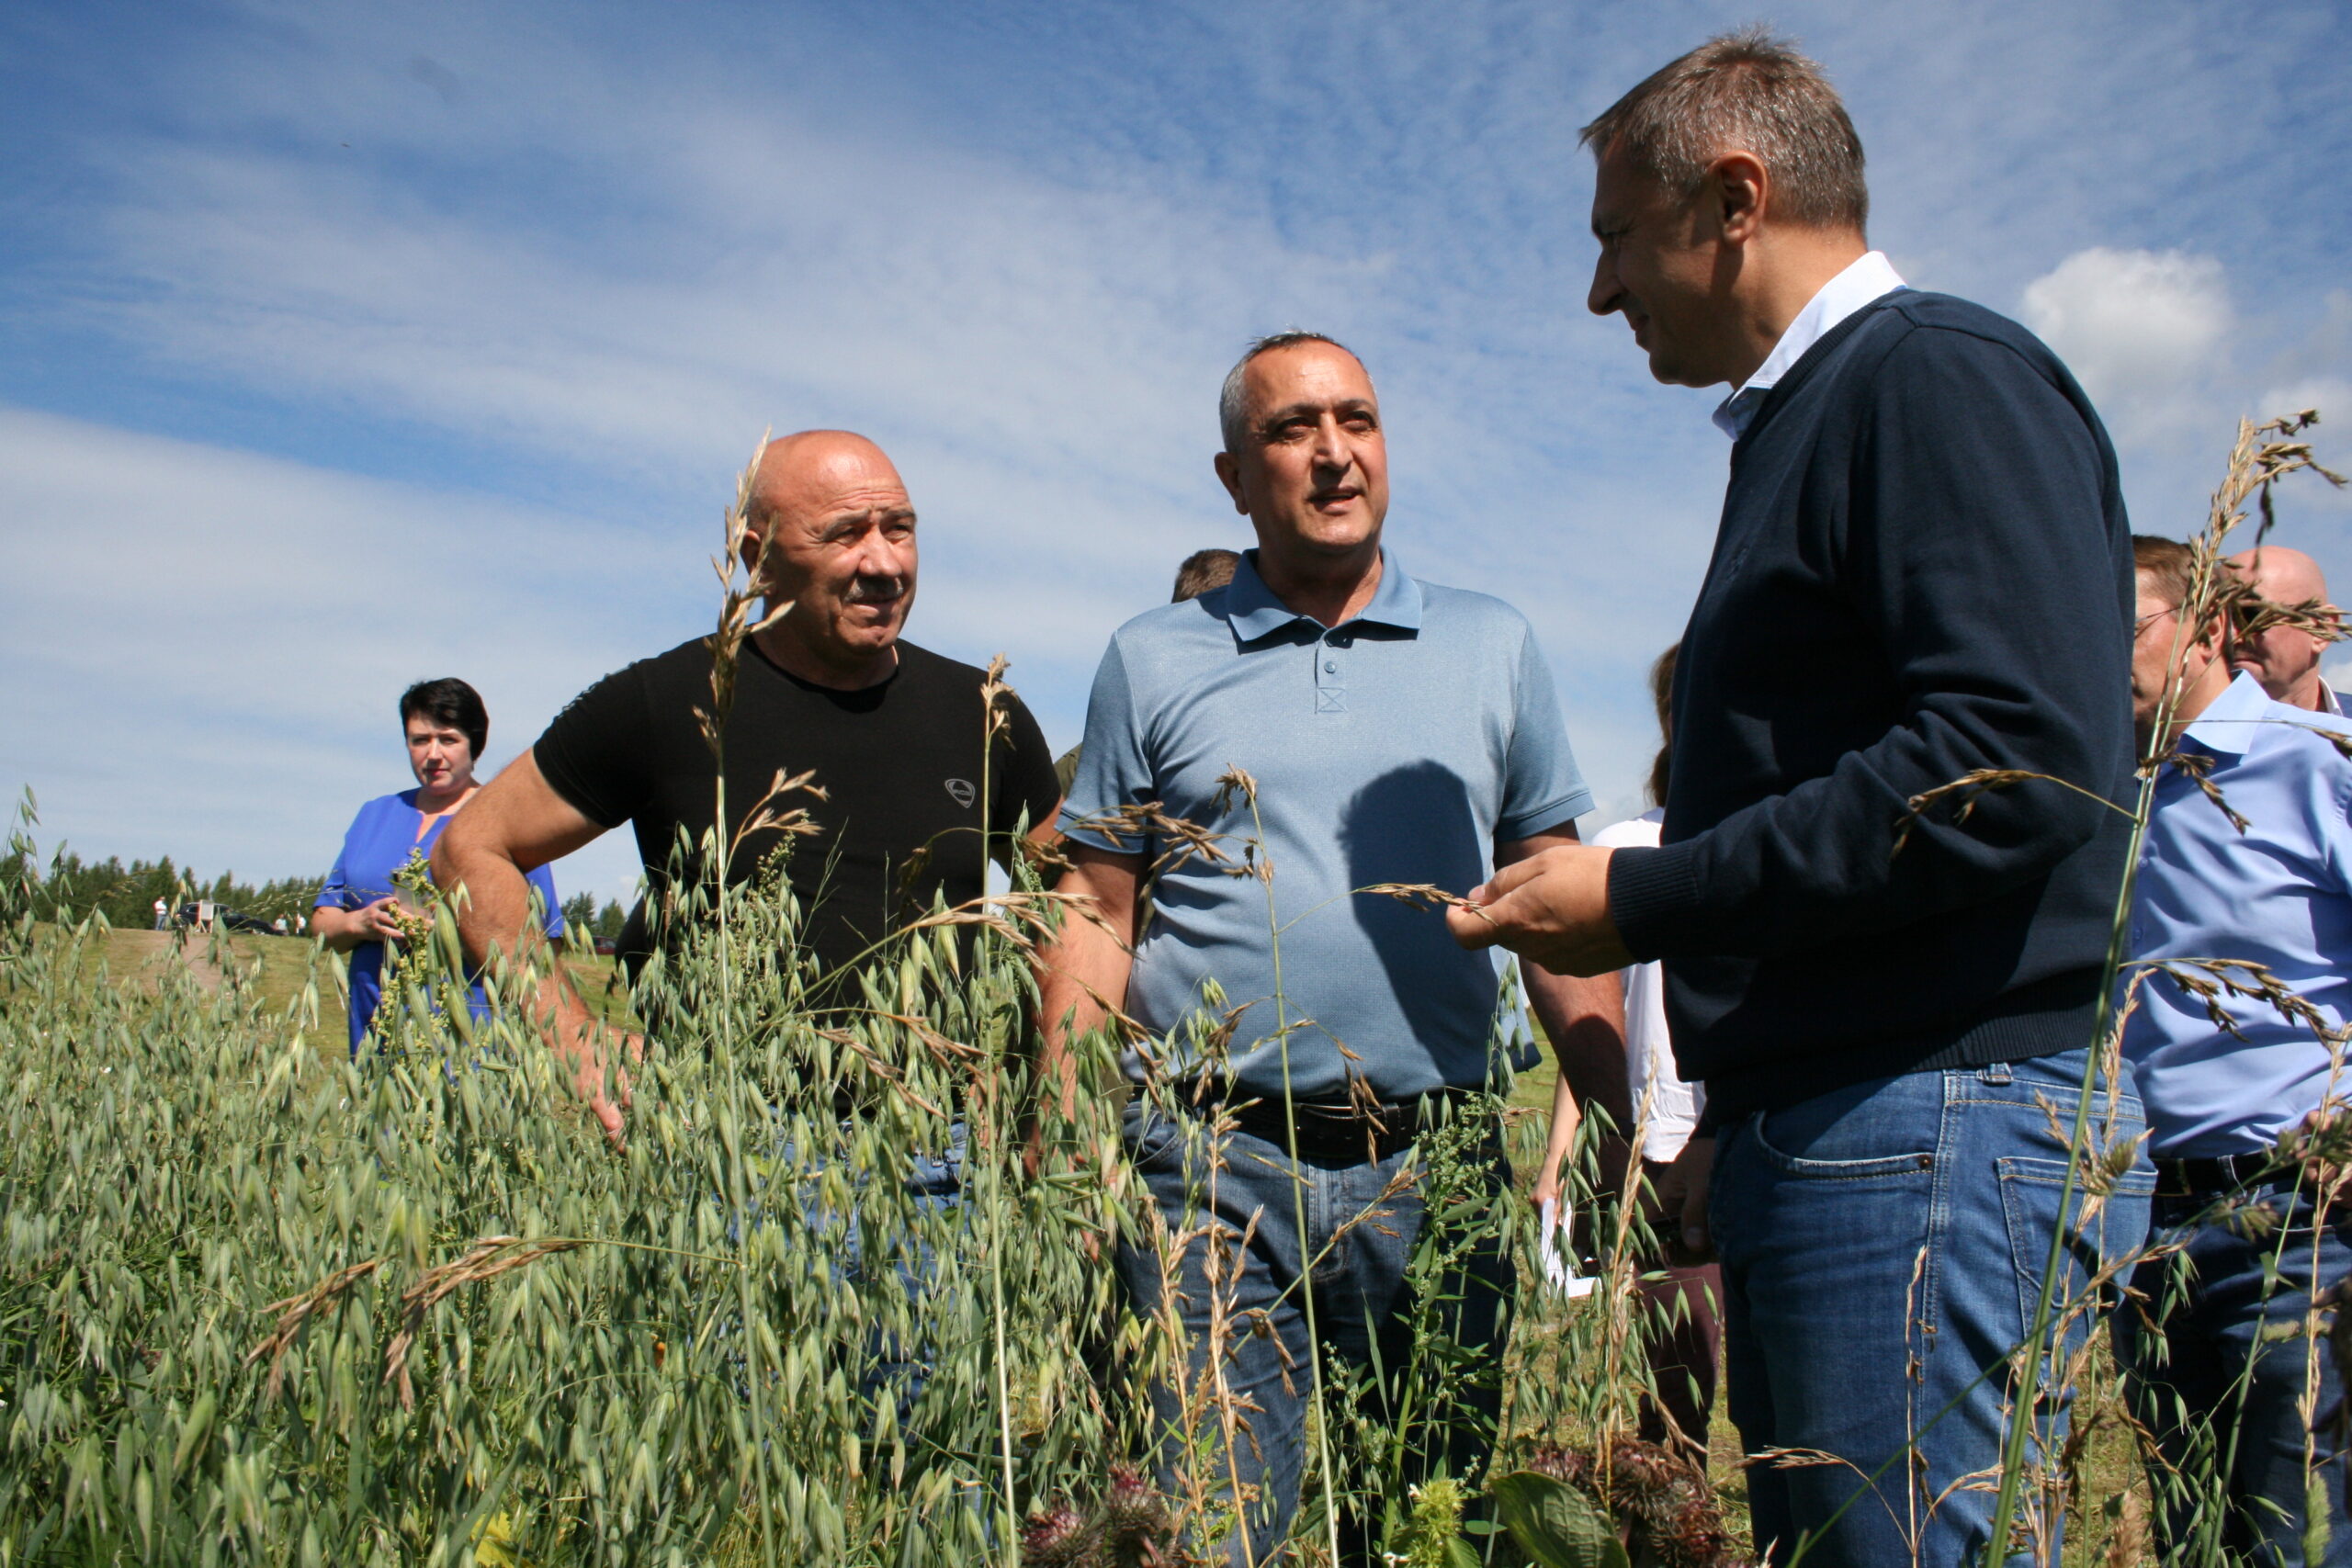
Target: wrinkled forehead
{"x": 810, "y": 480}
{"x": 1307, "y": 375}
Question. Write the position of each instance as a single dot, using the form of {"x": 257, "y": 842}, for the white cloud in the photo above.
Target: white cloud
{"x": 2328, "y": 396}
{"x": 207, "y": 645}
{"x": 2146, "y": 331}
{"x": 610, "y": 247}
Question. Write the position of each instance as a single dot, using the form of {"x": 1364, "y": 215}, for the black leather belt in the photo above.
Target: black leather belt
{"x": 2212, "y": 1174}
{"x": 1339, "y": 1131}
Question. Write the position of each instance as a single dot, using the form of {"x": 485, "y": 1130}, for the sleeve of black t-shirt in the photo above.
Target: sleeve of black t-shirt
{"x": 1025, "y": 780}
{"x": 595, "y": 754}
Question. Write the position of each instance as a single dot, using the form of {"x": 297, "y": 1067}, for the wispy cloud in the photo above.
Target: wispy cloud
{"x": 2139, "y": 328}
{"x": 205, "y": 646}
{"x": 525, "y": 284}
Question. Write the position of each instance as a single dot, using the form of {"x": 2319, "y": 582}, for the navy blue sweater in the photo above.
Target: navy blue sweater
{"x": 1923, "y": 568}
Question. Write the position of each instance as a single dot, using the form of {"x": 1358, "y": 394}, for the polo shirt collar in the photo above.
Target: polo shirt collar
{"x": 1255, "y": 613}
{"x": 2228, "y": 724}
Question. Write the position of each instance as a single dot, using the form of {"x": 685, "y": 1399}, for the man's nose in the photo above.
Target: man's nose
{"x": 884, "y": 556}
{"x": 1331, "y": 447}
{"x": 1602, "y": 299}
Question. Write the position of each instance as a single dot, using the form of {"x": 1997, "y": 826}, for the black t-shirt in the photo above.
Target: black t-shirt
{"x": 901, "y": 763}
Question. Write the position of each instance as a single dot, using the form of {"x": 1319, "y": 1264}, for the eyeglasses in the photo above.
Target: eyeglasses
{"x": 2150, "y": 618}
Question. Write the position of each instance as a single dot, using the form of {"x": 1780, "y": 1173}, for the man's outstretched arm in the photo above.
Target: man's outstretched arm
{"x": 515, "y": 825}
{"x": 1088, "y": 963}
{"x": 1585, "y": 1021}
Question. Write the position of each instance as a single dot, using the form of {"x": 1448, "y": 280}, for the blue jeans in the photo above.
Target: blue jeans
{"x": 1358, "y": 1246}
{"x": 935, "y": 1184}
{"x": 2221, "y": 1397}
{"x": 1882, "y": 1249}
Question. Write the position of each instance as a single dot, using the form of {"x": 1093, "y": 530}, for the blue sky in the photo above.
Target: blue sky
{"x": 347, "y": 344}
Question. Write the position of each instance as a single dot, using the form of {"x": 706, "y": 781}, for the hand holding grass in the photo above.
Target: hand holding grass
{"x": 603, "y": 1058}
{"x": 378, "y": 921}
{"x": 1552, "y": 908}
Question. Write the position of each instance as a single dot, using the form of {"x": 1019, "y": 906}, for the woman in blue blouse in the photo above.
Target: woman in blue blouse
{"x": 447, "y": 726}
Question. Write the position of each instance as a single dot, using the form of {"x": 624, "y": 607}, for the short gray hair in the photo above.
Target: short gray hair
{"x": 1751, "y": 92}
{"x": 1230, "y": 412}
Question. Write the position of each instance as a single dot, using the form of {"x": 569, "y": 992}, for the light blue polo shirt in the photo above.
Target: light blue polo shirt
{"x": 2279, "y": 893}
{"x": 1397, "y": 746}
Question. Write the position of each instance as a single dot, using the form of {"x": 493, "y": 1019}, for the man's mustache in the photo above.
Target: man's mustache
{"x": 868, "y": 590}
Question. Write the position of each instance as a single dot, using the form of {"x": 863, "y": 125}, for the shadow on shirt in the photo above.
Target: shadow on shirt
{"x": 1414, "y": 824}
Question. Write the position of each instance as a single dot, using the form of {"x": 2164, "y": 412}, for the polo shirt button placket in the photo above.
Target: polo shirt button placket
{"x": 1330, "y": 675}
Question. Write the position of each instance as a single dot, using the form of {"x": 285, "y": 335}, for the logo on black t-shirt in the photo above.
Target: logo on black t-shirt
{"x": 961, "y": 790}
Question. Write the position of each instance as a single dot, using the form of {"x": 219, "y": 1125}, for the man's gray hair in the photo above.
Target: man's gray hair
{"x": 1748, "y": 92}
{"x": 1231, "y": 413}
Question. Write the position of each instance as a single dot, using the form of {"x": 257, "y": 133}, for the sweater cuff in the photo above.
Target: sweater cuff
{"x": 1649, "y": 891}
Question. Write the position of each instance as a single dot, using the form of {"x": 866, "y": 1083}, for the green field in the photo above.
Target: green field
{"x": 262, "y": 1304}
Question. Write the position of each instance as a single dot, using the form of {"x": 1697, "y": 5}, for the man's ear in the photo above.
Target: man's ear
{"x": 757, "y": 540}
{"x": 1741, "y": 190}
{"x": 2216, "y": 639}
{"x": 1229, "y": 473}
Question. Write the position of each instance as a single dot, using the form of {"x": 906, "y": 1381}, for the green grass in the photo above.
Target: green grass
{"x": 180, "y": 1161}
{"x": 282, "y": 967}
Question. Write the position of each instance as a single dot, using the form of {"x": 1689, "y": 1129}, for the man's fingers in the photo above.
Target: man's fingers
{"x": 1473, "y": 929}
{"x": 1508, "y": 879}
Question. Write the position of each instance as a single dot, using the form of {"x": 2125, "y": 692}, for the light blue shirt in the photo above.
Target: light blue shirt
{"x": 1397, "y": 746}
{"x": 2280, "y": 895}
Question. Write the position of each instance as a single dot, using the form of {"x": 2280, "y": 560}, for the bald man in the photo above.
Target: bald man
{"x": 892, "y": 731}
{"x": 2286, "y": 659}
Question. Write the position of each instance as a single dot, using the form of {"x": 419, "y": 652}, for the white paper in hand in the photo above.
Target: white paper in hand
{"x": 1559, "y": 1263}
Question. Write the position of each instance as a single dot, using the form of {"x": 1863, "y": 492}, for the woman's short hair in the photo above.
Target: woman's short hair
{"x": 1754, "y": 93}
{"x": 451, "y": 702}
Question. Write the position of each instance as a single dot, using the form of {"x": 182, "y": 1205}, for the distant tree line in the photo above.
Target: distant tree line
{"x": 581, "y": 914}
{"x": 73, "y": 887}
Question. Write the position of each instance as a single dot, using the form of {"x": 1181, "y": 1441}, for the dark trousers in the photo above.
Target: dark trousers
{"x": 1683, "y": 1329}
{"x": 2218, "y": 1366}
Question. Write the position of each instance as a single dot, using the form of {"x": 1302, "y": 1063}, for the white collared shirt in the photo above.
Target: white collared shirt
{"x": 1864, "y": 281}
{"x": 1665, "y": 1108}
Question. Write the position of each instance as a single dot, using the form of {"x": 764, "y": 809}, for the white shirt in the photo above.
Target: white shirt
{"x": 1870, "y": 278}
{"x": 1672, "y": 1108}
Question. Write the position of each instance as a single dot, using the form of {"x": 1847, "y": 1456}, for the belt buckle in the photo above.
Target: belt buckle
{"x": 2177, "y": 1178}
